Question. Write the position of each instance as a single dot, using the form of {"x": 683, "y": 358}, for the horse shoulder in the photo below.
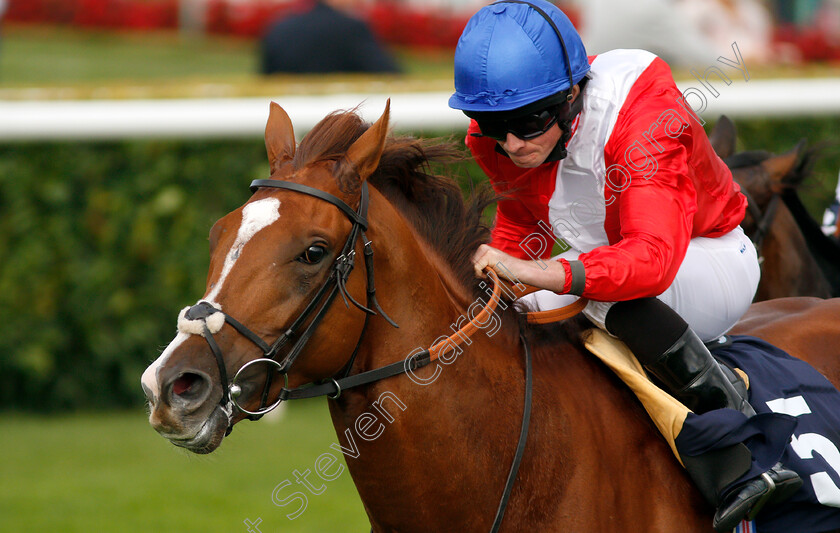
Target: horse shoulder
{"x": 594, "y": 443}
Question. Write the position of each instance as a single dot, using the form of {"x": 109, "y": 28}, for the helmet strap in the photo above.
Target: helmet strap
{"x": 560, "y": 151}
{"x": 565, "y": 124}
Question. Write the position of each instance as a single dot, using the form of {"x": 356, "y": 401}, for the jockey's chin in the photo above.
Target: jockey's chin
{"x": 530, "y": 160}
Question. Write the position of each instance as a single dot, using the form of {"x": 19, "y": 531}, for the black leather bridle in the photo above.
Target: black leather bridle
{"x": 762, "y": 221}
{"x": 320, "y": 303}
{"x": 296, "y": 333}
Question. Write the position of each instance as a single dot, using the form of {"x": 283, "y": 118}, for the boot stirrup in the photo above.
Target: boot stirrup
{"x": 771, "y": 488}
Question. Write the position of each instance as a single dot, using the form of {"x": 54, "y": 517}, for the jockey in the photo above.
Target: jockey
{"x": 605, "y": 157}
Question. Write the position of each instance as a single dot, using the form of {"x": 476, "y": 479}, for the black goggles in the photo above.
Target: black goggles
{"x": 525, "y": 127}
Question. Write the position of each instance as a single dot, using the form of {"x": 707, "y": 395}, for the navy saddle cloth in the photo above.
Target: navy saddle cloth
{"x": 798, "y": 423}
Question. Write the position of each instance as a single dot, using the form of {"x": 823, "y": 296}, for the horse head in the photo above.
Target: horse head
{"x": 276, "y": 265}
{"x": 761, "y": 174}
{"x": 770, "y": 182}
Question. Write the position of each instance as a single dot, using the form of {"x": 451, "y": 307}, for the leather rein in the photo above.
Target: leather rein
{"x": 296, "y": 336}
{"x": 763, "y": 221}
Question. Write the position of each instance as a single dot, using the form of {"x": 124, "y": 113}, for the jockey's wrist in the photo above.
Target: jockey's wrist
{"x": 548, "y": 275}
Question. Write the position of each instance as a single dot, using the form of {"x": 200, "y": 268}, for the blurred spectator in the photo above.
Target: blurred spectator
{"x": 800, "y": 12}
{"x": 747, "y": 22}
{"x": 3, "y": 4}
{"x": 321, "y": 37}
{"x": 658, "y": 26}
{"x": 686, "y": 33}
{"x": 811, "y": 28}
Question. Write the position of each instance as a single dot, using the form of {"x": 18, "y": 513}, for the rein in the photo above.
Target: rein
{"x": 762, "y": 221}
{"x": 320, "y": 303}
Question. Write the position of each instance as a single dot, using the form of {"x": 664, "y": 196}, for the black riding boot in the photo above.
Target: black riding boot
{"x": 689, "y": 373}
{"x": 692, "y": 376}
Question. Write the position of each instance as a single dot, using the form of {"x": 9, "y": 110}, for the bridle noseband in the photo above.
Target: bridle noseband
{"x": 317, "y": 308}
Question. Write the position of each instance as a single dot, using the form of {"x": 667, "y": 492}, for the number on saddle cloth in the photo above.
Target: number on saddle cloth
{"x": 797, "y": 406}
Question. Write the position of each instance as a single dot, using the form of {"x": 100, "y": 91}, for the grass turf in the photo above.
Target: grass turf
{"x": 112, "y": 472}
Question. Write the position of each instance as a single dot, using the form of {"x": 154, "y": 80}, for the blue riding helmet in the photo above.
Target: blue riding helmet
{"x": 509, "y": 56}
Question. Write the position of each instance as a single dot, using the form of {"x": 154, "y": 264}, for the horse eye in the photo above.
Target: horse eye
{"x": 314, "y": 254}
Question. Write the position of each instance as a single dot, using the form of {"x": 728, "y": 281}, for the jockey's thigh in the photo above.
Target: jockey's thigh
{"x": 713, "y": 287}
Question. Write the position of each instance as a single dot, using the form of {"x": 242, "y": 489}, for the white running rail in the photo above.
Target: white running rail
{"x": 415, "y": 112}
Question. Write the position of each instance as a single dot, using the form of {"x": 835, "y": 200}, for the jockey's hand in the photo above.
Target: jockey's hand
{"x": 544, "y": 274}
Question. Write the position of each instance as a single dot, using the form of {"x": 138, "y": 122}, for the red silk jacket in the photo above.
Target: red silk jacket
{"x": 640, "y": 181}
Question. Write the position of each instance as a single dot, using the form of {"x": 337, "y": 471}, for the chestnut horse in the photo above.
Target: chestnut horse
{"x": 797, "y": 258}
{"x": 430, "y": 450}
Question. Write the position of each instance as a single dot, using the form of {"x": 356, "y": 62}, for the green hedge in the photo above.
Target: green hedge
{"x": 103, "y": 243}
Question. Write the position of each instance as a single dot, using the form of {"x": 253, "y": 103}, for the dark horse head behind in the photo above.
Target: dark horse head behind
{"x": 798, "y": 259}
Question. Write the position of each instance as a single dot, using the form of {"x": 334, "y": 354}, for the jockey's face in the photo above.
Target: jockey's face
{"x": 530, "y": 153}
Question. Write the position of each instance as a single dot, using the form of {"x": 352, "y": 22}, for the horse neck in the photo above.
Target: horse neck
{"x": 434, "y": 455}
{"x": 408, "y": 419}
{"x": 419, "y": 290}
{"x": 789, "y": 267}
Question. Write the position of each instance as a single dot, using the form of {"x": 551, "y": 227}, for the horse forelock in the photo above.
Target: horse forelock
{"x": 329, "y": 140}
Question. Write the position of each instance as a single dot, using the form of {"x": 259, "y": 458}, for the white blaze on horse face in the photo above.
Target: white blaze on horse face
{"x": 150, "y": 376}
{"x": 255, "y": 217}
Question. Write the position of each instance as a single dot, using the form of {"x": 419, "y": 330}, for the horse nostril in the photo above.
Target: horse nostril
{"x": 187, "y": 386}
{"x": 188, "y": 392}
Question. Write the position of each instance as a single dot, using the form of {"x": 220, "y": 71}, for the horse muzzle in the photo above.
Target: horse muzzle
{"x": 209, "y": 435}
{"x": 185, "y": 412}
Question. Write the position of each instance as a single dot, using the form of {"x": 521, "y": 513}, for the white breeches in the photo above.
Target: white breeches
{"x": 712, "y": 290}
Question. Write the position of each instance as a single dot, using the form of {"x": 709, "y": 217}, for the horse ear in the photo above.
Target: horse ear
{"x": 279, "y": 137}
{"x": 779, "y": 167}
{"x": 364, "y": 154}
{"x": 723, "y": 137}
